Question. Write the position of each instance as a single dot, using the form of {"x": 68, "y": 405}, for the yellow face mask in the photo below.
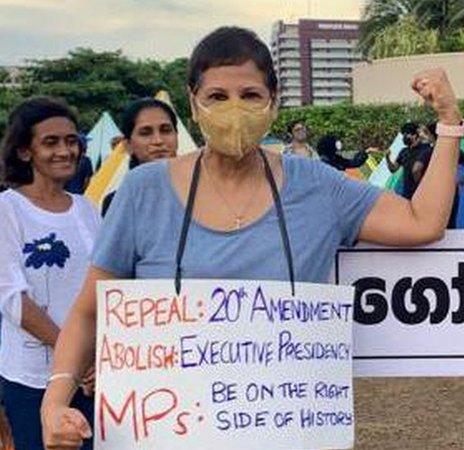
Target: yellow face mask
{"x": 233, "y": 127}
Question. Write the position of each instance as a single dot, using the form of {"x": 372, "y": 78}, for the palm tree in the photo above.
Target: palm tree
{"x": 381, "y": 14}
{"x": 444, "y": 16}
{"x": 404, "y": 38}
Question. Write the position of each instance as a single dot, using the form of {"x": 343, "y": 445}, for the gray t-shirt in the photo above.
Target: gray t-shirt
{"x": 323, "y": 209}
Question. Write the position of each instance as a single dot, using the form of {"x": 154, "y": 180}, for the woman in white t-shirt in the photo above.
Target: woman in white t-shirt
{"x": 46, "y": 239}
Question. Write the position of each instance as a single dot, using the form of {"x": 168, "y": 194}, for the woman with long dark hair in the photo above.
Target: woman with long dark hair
{"x": 46, "y": 239}
{"x": 149, "y": 127}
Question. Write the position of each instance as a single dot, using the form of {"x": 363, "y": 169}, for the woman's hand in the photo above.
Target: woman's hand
{"x": 435, "y": 89}
{"x": 64, "y": 428}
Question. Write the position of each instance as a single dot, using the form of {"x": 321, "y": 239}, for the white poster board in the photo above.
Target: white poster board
{"x": 409, "y": 308}
{"x": 227, "y": 365}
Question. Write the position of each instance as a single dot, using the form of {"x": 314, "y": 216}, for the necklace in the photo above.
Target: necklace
{"x": 239, "y": 216}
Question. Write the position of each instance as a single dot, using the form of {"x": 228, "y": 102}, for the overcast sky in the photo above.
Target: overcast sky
{"x": 159, "y": 29}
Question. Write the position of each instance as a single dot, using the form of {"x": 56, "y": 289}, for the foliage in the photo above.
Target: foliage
{"x": 438, "y": 22}
{"x": 359, "y": 126}
{"x": 4, "y": 75}
{"x": 93, "y": 82}
{"x": 9, "y": 98}
{"x": 403, "y": 39}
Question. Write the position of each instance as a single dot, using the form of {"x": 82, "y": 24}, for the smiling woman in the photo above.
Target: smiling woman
{"x": 149, "y": 127}
{"x": 45, "y": 244}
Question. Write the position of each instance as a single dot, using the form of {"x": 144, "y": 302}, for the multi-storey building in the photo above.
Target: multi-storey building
{"x": 314, "y": 59}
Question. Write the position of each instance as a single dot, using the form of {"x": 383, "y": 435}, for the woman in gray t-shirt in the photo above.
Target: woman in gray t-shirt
{"x": 255, "y": 214}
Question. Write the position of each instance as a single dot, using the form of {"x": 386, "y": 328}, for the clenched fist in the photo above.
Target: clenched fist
{"x": 64, "y": 428}
{"x": 434, "y": 87}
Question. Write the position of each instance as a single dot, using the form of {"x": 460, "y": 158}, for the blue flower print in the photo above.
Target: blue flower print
{"x": 47, "y": 251}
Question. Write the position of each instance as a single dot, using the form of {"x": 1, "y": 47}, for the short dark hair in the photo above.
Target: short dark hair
{"x": 410, "y": 128}
{"x": 130, "y": 114}
{"x": 228, "y": 46}
{"x": 19, "y": 134}
{"x": 292, "y": 124}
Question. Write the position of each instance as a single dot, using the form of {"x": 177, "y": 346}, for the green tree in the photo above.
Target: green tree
{"x": 381, "y": 14}
{"x": 403, "y": 39}
{"x": 9, "y": 98}
{"x": 443, "y": 17}
{"x": 94, "y": 82}
{"x": 4, "y": 75}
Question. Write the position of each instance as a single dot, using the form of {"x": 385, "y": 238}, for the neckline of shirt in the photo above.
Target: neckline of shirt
{"x": 271, "y": 210}
{"x": 43, "y": 212}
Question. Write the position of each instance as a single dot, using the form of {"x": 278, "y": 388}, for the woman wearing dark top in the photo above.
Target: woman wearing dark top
{"x": 149, "y": 127}
{"x": 328, "y": 148}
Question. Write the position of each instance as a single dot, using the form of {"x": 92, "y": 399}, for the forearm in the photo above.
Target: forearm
{"x": 37, "y": 322}
{"x": 73, "y": 355}
{"x": 357, "y": 161}
{"x": 75, "y": 348}
{"x": 433, "y": 199}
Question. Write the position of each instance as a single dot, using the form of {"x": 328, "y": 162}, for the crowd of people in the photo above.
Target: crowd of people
{"x": 284, "y": 215}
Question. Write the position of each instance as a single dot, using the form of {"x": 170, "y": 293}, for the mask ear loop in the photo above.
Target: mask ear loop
{"x": 186, "y": 223}
{"x": 281, "y": 218}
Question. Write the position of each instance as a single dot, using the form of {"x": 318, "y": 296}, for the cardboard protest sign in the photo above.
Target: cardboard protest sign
{"x": 227, "y": 365}
{"x": 409, "y": 308}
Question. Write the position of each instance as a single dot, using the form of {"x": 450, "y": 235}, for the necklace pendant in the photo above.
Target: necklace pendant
{"x": 238, "y": 223}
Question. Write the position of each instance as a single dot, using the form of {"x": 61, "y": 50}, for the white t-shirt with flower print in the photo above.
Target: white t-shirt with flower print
{"x": 46, "y": 255}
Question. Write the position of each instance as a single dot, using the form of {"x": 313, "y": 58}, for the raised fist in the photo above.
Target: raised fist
{"x": 436, "y": 90}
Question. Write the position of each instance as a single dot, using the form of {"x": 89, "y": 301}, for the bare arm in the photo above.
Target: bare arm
{"x": 37, "y": 322}
{"x": 396, "y": 221}
{"x": 75, "y": 346}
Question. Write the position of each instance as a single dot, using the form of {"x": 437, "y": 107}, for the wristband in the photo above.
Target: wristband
{"x": 454, "y": 131}
{"x": 63, "y": 375}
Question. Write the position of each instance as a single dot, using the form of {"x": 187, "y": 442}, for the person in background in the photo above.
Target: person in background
{"x": 46, "y": 240}
{"x": 150, "y": 131}
{"x": 414, "y": 158}
{"x": 329, "y": 148}
{"x": 79, "y": 182}
{"x": 299, "y": 141}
